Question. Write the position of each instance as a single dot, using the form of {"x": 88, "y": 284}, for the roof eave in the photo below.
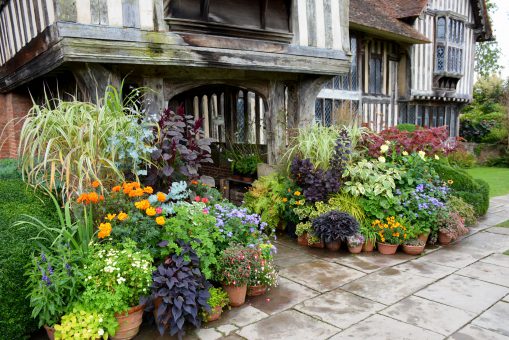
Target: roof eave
{"x": 388, "y": 34}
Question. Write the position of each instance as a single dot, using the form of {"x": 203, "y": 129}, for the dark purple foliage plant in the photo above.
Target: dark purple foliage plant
{"x": 183, "y": 291}
{"x": 180, "y": 150}
{"x": 335, "y": 225}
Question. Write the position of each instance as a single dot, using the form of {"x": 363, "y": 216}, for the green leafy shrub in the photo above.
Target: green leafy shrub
{"x": 16, "y": 249}
{"x": 462, "y": 159}
{"x": 9, "y": 169}
{"x": 465, "y": 210}
{"x": 407, "y": 127}
{"x": 475, "y": 192}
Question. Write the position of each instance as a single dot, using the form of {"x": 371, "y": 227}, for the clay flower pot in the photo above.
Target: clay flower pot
{"x": 387, "y": 249}
{"x": 256, "y": 290}
{"x": 424, "y": 237}
{"x": 368, "y": 246}
{"x": 333, "y": 246}
{"x": 303, "y": 240}
{"x": 215, "y": 314}
{"x": 50, "y": 331}
{"x": 237, "y": 295}
{"x": 129, "y": 324}
{"x": 413, "y": 250}
{"x": 320, "y": 244}
{"x": 444, "y": 238}
{"x": 356, "y": 250}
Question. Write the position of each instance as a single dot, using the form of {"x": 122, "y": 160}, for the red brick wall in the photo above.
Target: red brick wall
{"x": 13, "y": 107}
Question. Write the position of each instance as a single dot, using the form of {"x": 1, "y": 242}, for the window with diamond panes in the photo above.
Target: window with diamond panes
{"x": 450, "y": 40}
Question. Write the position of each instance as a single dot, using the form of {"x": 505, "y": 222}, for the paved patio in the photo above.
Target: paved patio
{"x": 459, "y": 292}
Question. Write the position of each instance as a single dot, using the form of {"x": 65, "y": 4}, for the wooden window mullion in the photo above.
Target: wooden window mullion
{"x": 205, "y": 6}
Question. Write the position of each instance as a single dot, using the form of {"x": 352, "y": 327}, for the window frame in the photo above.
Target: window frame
{"x": 452, "y": 43}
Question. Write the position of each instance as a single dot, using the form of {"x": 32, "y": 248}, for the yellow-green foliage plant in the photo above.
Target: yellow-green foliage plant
{"x": 65, "y": 145}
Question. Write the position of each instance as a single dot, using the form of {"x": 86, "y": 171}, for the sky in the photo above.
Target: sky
{"x": 500, "y": 22}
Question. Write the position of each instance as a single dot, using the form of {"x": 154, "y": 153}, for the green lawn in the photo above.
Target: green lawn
{"x": 503, "y": 224}
{"x": 497, "y": 178}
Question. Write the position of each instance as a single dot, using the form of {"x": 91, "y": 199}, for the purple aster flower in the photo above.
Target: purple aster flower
{"x": 230, "y": 234}
{"x": 50, "y": 269}
{"x": 43, "y": 257}
{"x": 46, "y": 279}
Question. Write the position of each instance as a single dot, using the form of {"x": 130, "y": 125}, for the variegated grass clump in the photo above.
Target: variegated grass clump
{"x": 65, "y": 145}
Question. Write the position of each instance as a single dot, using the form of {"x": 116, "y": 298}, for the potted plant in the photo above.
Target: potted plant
{"x": 179, "y": 291}
{"x": 390, "y": 233}
{"x": 302, "y": 231}
{"x": 424, "y": 234}
{"x": 263, "y": 273}
{"x": 54, "y": 285}
{"x": 369, "y": 237}
{"x": 414, "y": 246}
{"x": 217, "y": 301}
{"x": 116, "y": 278}
{"x": 334, "y": 226}
{"x": 234, "y": 272}
{"x": 355, "y": 243}
{"x": 247, "y": 166}
{"x": 80, "y": 323}
{"x": 450, "y": 226}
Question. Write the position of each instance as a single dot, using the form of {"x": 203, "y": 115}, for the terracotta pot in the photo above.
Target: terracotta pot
{"x": 214, "y": 314}
{"x": 368, "y": 246}
{"x": 444, "y": 238}
{"x": 129, "y": 325}
{"x": 50, "y": 331}
{"x": 356, "y": 250}
{"x": 248, "y": 179}
{"x": 256, "y": 290}
{"x": 413, "y": 250}
{"x": 387, "y": 249}
{"x": 333, "y": 246}
{"x": 424, "y": 237}
{"x": 237, "y": 295}
{"x": 303, "y": 240}
{"x": 320, "y": 244}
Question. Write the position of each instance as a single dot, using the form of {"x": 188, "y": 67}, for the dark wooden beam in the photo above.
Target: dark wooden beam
{"x": 263, "y": 13}
{"x": 204, "y": 9}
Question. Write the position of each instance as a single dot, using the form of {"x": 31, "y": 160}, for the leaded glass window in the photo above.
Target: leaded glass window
{"x": 441, "y": 28}
{"x": 450, "y": 39}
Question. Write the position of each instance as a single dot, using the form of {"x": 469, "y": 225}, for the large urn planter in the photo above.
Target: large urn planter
{"x": 444, "y": 238}
{"x": 333, "y": 246}
{"x": 129, "y": 323}
{"x": 413, "y": 250}
{"x": 256, "y": 290}
{"x": 387, "y": 249}
{"x": 237, "y": 295}
{"x": 303, "y": 240}
{"x": 50, "y": 332}
{"x": 214, "y": 314}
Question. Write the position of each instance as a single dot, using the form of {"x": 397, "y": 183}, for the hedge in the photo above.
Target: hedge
{"x": 473, "y": 191}
{"x": 9, "y": 169}
{"x": 15, "y": 251}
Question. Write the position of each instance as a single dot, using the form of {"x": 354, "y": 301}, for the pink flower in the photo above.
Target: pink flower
{"x": 159, "y": 210}
{"x": 205, "y": 200}
{"x": 197, "y": 199}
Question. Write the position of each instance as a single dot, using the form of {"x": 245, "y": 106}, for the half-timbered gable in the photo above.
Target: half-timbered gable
{"x": 238, "y": 64}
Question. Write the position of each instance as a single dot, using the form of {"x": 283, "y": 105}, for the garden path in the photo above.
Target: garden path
{"x": 459, "y": 291}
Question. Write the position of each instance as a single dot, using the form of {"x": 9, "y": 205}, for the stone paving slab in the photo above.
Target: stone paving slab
{"x": 239, "y": 317}
{"x": 487, "y": 272}
{"x": 429, "y": 315}
{"x": 339, "y": 308}
{"x": 456, "y": 257}
{"x": 497, "y": 259}
{"x": 495, "y": 319}
{"x": 387, "y": 286}
{"x": 486, "y": 242}
{"x": 288, "y": 325}
{"x": 471, "y": 332}
{"x": 506, "y": 299}
{"x": 320, "y": 275}
{"x": 382, "y": 327}
{"x": 423, "y": 267}
{"x": 371, "y": 262}
{"x": 498, "y": 230}
{"x": 463, "y": 292}
{"x": 283, "y": 297}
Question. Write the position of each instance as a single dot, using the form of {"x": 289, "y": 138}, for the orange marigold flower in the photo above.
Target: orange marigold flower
{"x": 83, "y": 198}
{"x": 93, "y": 197}
{"x": 297, "y": 193}
{"x": 122, "y": 216}
{"x": 160, "y": 220}
{"x": 104, "y": 230}
{"x": 142, "y": 205}
{"x": 111, "y": 217}
{"x": 116, "y": 188}
{"x": 95, "y": 184}
{"x": 148, "y": 190}
{"x": 161, "y": 197}
{"x": 150, "y": 211}
{"x": 136, "y": 193}
{"x": 285, "y": 199}
{"x": 194, "y": 182}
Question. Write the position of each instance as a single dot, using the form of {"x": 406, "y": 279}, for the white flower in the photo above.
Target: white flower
{"x": 381, "y": 159}
{"x": 100, "y": 320}
{"x": 388, "y": 142}
{"x": 404, "y": 153}
{"x": 436, "y": 157}
{"x": 384, "y": 148}
{"x": 422, "y": 154}
{"x": 101, "y": 331}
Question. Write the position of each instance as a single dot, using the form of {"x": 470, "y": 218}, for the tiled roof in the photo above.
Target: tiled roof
{"x": 409, "y": 8}
{"x": 382, "y": 16}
